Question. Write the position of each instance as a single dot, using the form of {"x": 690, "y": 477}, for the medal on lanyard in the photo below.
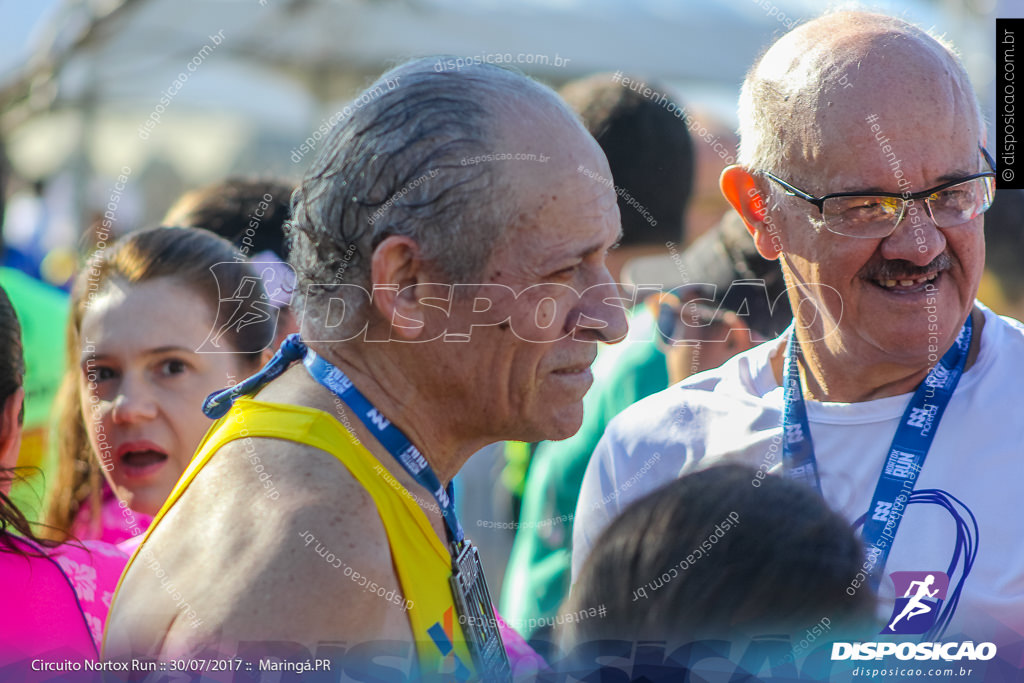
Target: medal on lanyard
{"x": 907, "y": 454}
{"x": 473, "y": 602}
{"x": 469, "y": 586}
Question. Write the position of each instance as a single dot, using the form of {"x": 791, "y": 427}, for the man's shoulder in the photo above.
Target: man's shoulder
{"x": 225, "y": 541}
{"x": 293, "y": 477}
{"x": 1001, "y": 360}
{"x": 740, "y": 381}
{"x": 1004, "y": 330}
{"x": 247, "y": 482}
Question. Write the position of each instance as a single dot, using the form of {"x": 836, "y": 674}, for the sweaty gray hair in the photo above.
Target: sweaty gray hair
{"x": 400, "y": 163}
{"x": 784, "y": 89}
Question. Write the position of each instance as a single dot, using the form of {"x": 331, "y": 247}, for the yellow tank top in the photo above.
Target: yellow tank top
{"x": 422, "y": 562}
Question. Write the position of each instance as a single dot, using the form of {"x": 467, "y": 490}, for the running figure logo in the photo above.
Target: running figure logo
{"x": 247, "y": 305}
{"x": 922, "y": 596}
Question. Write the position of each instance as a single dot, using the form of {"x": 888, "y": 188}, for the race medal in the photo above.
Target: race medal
{"x": 476, "y": 615}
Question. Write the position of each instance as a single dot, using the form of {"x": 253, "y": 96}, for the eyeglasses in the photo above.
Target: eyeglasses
{"x": 875, "y": 215}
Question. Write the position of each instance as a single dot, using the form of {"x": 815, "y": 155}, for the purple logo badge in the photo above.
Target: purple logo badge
{"x": 919, "y": 595}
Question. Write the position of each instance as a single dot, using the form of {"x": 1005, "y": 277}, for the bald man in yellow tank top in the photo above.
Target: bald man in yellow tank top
{"x": 449, "y": 246}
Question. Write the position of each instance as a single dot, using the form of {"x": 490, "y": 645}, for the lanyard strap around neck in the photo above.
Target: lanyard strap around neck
{"x": 391, "y": 437}
{"x": 907, "y": 454}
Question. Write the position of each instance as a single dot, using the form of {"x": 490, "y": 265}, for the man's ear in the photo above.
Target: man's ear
{"x": 10, "y": 429}
{"x": 741, "y": 191}
{"x": 396, "y": 269}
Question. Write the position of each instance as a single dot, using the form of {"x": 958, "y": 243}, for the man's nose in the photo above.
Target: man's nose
{"x": 601, "y": 312}
{"x": 916, "y": 239}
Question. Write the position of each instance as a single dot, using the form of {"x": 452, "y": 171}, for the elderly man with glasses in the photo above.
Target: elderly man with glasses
{"x": 895, "y": 393}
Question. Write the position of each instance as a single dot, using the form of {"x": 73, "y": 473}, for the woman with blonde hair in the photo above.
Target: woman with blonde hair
{"x": 158, "y": 320}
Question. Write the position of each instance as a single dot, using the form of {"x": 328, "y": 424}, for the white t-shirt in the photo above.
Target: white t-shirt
{"x": 734, "y": 413}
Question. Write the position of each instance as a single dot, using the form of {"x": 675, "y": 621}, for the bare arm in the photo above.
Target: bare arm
{"x": 298, "y": 569}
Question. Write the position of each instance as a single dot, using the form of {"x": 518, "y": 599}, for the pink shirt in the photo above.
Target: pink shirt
{"x": 117, "y": 522}
{"x": 522, "y": 658}
{"x": 53, "y": 607}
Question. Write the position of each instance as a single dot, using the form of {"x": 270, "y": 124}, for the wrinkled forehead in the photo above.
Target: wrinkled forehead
{"x": 857, "y": 89}
{"x": 913, "y": 92}
{"x": 559, "y": 166}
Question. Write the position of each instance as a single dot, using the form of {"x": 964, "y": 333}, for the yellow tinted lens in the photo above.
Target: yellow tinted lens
{"x": 862, "y": 216}
{"x": 961, "y": 203}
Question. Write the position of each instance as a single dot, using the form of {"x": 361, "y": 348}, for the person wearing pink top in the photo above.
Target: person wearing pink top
{"x": 55, "y": 598}
{"x": 116, "y": 524}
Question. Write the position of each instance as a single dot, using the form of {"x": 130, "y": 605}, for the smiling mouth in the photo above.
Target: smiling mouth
{"x": 905, "y": 284}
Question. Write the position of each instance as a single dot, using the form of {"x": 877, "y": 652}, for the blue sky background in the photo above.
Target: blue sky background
{"x": 20, "y": 24}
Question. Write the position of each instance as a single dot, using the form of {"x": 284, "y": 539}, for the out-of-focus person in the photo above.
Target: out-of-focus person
{"x": 54, "y": 598}
{"x": 650, "y": 154}
{"x": 250, "y": 213}
{"x": 1002, "y": 284}
{"x": 709, "y": 556}
{"x": 720, "y": 298}
{"x": 42, "y": 310}
{"x": 142, "y": 354}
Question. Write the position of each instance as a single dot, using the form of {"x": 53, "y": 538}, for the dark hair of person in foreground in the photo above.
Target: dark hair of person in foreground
{"x": 718, "y": 556}
{"x": 12, "y": 375}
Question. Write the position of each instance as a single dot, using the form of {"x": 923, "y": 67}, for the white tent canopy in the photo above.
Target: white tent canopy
{"x": 281, "y": 66}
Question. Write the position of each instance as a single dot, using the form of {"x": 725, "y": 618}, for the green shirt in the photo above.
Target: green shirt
{"x": 539, "y": 570}
{"x": 42, "y": 311}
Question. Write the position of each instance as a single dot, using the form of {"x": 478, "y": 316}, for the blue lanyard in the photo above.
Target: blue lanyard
{"x": 397, "y": 444}
{"x": 965, "y": 548}
{"x": 907, "y": 453}
{"x": 391, "y": 437}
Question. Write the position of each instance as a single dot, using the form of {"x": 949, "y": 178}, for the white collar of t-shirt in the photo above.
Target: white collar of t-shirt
{"x": 762, "y": 380}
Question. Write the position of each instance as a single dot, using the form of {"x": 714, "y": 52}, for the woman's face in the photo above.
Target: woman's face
{"x": 143, "y": 384}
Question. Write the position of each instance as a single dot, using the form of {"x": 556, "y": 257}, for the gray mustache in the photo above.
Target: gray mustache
{"x": 905, "y": 270}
